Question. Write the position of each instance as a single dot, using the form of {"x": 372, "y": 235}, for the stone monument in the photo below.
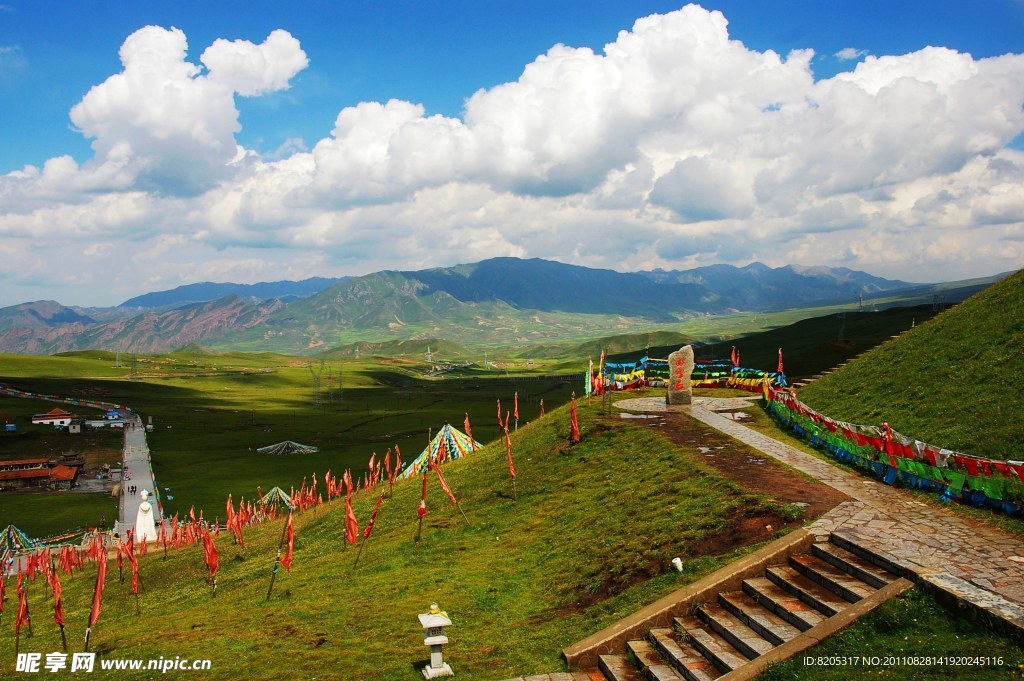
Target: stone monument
{"x": 680, "y": 366}
{"x": 434, "y": 623}
{"x": 145, "y": 526}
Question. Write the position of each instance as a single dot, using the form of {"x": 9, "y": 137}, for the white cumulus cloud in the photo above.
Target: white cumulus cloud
{"x": 675, "y": 145}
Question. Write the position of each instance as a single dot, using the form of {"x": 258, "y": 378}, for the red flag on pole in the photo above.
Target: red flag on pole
{"x": 499, "y": 414}
{"x": 134, "y": 562}
{"x": 22, "y": 617}
{"x": 574, "y": 426}
{"x": 542, "y": 407}
{"x": 735, "y": 356}
{"x": 780, "y": 361}
{"x": 398, "y": 460}
{"x": 469, "y": 433}
{"x": 508, "y": 450}
{"x": 351, "y": 524}
{"x": 515, "y": 405}
{"x": 97, "y": 594}
{"x": 387, "y": 464}
{"x": 373, "y": 517}
{"x": 211, "y": 555}
{"x": 422, "y": 510}
{"x": 290, "y": 533}
{"x": 444, "y": 485}
{"x": 58, "y": 604}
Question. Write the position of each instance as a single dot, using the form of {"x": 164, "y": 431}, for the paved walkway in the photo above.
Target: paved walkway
{"x": 972, "y": 561}
{"x": 137, "y": 466}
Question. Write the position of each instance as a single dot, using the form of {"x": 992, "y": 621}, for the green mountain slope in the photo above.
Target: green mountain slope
{"x": 953, "y": 381}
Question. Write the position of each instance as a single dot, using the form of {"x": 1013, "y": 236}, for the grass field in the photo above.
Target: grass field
{"x": 588, "y": 541}
{"x": 211, "y": 413}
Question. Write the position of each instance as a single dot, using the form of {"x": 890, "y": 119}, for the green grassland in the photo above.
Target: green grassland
{"x": 952, "y": 382}
{"x": 587, "y": 541}
{"x": 210, "y": 414}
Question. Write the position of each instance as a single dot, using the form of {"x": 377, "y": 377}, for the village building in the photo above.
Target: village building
{"x": 54, "y": 417}
{"x": 38, "y": 473}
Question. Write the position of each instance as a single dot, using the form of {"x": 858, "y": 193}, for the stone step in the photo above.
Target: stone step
{"x": 782, "y": 603}
{"x": 682, "y": 656}
{"x": 732, "y": 629}
{"x": 650, "y": 662}
{"x": 831, "y": 577}
{"x": 870, "y": 556}
{"x": 853, "y": 564}
{"x": 808, "y": 591}
{"x": 618, "y": 668}
{"x": 710, "y": 645}
{"x": 767, "y": 624}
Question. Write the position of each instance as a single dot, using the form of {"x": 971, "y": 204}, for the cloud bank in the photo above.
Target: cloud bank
{"x": 674, "y": 146}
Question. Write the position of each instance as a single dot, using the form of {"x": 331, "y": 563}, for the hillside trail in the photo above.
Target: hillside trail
{"x": 964, "y": 558}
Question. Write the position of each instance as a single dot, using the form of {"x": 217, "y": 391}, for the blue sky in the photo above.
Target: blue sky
{"x": 438, "y": 55}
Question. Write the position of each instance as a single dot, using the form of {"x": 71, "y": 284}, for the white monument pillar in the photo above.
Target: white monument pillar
{"x": 434, "y": 622}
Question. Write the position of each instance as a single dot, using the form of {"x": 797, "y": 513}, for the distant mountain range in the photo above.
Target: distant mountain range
{"x": 206, "y": 291}
{"x": 501, "y": 301}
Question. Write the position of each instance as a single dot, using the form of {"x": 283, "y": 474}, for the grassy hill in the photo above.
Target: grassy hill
{"x": 952, "y": 382}
{"x": 524, "y": 579}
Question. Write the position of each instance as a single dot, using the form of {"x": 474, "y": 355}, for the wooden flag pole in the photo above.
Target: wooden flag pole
{"x": 458, "y": 505}
{"x": 515, "y": 497}
{"x": 419, "y": 531}
{"x": 63, "y": 639}
{"x": 277, "y": 561}
{"x": 361, "y": 543}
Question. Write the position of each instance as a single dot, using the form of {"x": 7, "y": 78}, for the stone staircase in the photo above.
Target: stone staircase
{"x": 738, "y": 627}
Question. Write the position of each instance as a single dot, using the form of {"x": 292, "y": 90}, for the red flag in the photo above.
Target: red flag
{"x": 574, "y": 426}
{"x": 499, "y": 413}
{"x": 515, "y": 405}
{"x": 22, "y": 617}
{"x": 780, "y": 361}
{"x": 444, "y": 485}
{"x": 134, "y": 561}
{"x": 351, "y": 524}
{"x": 735, "y": 356}
{"x": 97, "y": 595}
{"x": 210, "y": 554}
{"x": 542, "y": 407}
{"x": 469, "y": 433}
{"x": 387, "y": 464}
{"x": 290, "y": 546}
{"x": 58, "y": 604}
{"x": 398, "y": 460}
{"x": 373, "y": 517}
{"x": 422, "y": 510}
{"x": 508, "y": 452}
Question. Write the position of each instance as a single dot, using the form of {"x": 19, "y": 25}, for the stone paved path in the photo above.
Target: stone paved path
{"x": 136, "y": 461}
{"x": 969, "y": 560}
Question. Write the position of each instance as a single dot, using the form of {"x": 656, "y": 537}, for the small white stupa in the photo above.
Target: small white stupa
{"x": 145, "y": 526}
